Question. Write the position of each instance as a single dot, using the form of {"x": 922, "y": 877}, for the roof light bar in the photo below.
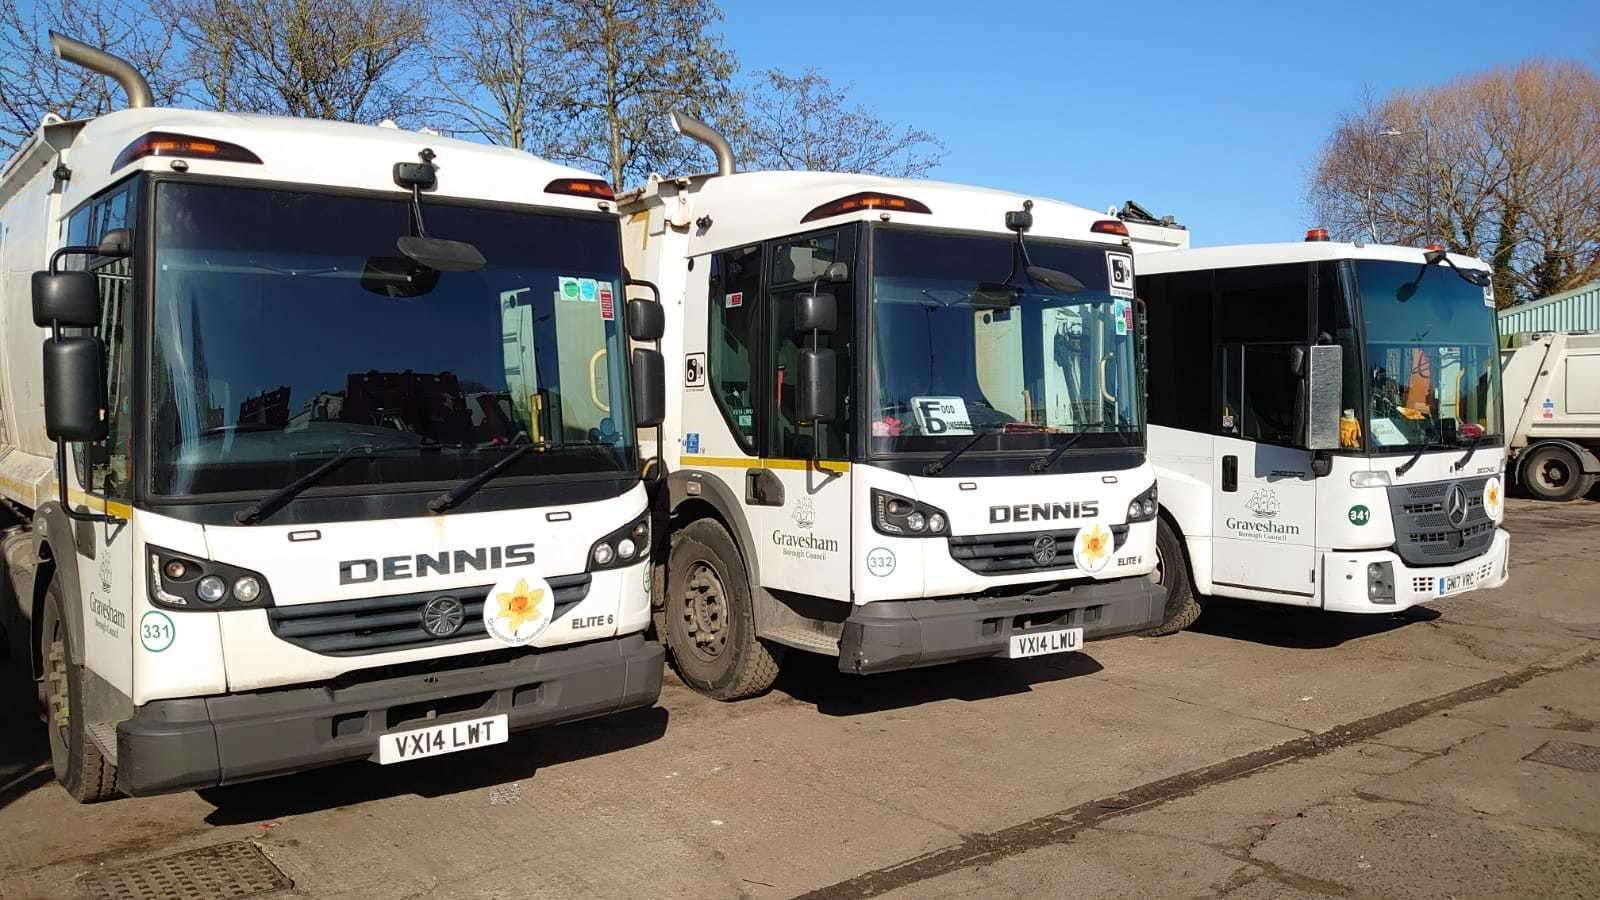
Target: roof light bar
{"x": 163, "y": 143}
{"x": 1109, "y": 226}
{"x": 1434, "y": 248}
{"x": 866, "y": 200}
{"x": 581, "y": 187}
{"x": 1316, "y": 234}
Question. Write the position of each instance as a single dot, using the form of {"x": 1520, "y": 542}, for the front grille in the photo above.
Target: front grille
{"x": 1009, "y": 554}
{"x": 367, "y": 624}
{"x": 1422, "y": 529}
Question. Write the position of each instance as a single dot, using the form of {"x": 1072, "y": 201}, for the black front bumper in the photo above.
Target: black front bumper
{"x": 906, "y": 634}
{"x": 173, "y": 745}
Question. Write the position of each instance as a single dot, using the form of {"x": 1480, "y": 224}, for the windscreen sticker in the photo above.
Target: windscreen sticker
{"x": 569, "y": 288}
{"x": 734, "y": 300}
{"x": 1122, "y": 311}
{"x": 588, "y": 290}
{"x": 1119, "y": 274}
{"x": 941, "y": 415}
{"x": 1488, "y": 295}
{"x": 608, "y": 302}
{"x": 1387, "y": 433}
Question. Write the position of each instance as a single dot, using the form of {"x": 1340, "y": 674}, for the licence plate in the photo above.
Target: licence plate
{"x": 404, "y": 746}
{"x": 1040, "y": 643}
{"x": 1457, "y": 583}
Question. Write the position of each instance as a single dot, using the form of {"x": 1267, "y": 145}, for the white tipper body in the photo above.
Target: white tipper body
{"x": 1313, "y": 552}
{"x": 215, "y": 652}
{"x": 821, "y": 541}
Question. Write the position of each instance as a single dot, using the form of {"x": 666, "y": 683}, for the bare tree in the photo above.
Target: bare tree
{"x": 328, "y": 59}
{"x": 495, "y": 69}
{"x": 1504, "y": 165}
{"x": 35, "y": 83}
{"x": 804, "y": 121}
{"x": 624, "y": 66}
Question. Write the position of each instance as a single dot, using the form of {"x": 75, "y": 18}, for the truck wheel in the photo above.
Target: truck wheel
{"x": 1552, "y": 472}
{"x": 79, "y": 765}
{"x": 1172, "y": 573}
{"x": 710, "y": 616}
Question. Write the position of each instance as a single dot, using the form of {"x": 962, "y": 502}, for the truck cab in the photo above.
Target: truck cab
{"x": 1327, "y": 424}
{"x": 904, "y": 427}
{"x": 336, "y": 452}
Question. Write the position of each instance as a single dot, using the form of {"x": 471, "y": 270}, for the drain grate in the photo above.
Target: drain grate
{"x": 235, "y": 869}
{"x": 1568, "y": 755}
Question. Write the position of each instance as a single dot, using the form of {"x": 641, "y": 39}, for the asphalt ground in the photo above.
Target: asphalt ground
{"x": 1266, "y": 752}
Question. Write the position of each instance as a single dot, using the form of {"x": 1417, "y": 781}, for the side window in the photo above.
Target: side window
{"x": 797, "y": 264}
{"x": 1264, "y": 314}
{"x": 730, "y": 350}
{"x": 104, "y": 468}
{"x": 1184, "y": 350}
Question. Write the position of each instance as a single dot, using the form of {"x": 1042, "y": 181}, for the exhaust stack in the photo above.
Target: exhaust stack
{"x": 97, "y": 60}
{"x": 693, "y": 128}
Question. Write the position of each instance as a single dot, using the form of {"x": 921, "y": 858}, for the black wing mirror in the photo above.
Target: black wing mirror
{"x": 815, "y": 313}
{"x": 647, "y": 321}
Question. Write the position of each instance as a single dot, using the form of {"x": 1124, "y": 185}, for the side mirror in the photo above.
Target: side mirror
{"x": 836, "y": 273}
{"x": 1324, "y": 392}
{"x": 816, "y": 312}
{"x": 649, "y": 388}
{"x": 70, "y": 299}
{"x": 74, "y": 389}
{"x": 116, "y": 244}
{"x": 818, "y": 399}
{"x": 647, "y": 321}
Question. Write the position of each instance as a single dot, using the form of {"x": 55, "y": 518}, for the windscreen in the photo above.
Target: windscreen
{"x": 1432, "y": 361}
{"x": 287, "y": 327}
{"x": 960, "y": 349}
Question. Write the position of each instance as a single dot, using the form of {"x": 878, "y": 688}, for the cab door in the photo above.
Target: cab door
{"x": 1264, "y": 509}
{"x": 798, "y": 497}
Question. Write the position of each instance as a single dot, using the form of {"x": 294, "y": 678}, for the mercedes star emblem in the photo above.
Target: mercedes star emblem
{"x": 443, "y": 616}
{"x": 1044, "y": 550}
{"x": 1455, "y": 506}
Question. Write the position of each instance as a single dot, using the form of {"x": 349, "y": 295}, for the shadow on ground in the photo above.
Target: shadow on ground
{"x": 1297, "y": 627}
{"x": 522, "y": 757}
{"x": 816, "y": 680}
{"x": 24, "y": 749}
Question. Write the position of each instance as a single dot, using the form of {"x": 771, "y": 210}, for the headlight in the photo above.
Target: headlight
{"x": 623, "y": 547}
{"x": 246, "y": 589}
{"x": 211, "y": 589}
{"x": 1369, "y": 479}
{"x": 1143, "y": 507}
{"x": 1380, "y": 582}
{"x": 899, "y": 516}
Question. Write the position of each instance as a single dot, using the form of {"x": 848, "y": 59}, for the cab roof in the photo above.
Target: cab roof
{"x": 316, "y": 153}
{"x": 747, "y": 207}
{"x": 1157, "y": 262}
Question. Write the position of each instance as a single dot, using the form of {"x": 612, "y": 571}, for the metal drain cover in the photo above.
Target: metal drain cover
{"x": 1568, "y": 755}
{"x": 234, "y": 869}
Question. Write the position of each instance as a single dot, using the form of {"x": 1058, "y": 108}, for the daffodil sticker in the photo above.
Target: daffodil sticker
{"x": 1091, "y": 549}
{"x": 1493, "y": 497}
{"x": 516, "y": 612}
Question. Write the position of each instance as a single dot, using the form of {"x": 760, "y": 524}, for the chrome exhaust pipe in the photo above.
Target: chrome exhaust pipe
{"x": 97, "y": 60}
{"x": 693, "y": 128}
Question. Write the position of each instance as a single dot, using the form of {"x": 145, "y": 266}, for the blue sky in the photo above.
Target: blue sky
{"x": 1212, "y": 112}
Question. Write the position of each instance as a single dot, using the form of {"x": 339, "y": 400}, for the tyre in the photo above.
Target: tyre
{"x": 80, "y": 768}
{"x": 1552, "y": 472}
{"x": 710, "y": 616}
{"x": 1172, "y": 573}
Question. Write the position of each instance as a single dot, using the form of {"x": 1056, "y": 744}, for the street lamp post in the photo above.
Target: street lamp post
{"x": 1427, "y": 175}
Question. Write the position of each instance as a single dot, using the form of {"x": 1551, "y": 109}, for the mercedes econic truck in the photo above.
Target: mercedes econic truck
{"x": 1327, "y": 424}
{"x": 905, "y": 422}
{"x": 329, "y": 453}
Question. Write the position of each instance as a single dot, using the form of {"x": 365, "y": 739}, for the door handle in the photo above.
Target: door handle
{"x": 762, "y": 488}
{"x": 1230, "y": 473}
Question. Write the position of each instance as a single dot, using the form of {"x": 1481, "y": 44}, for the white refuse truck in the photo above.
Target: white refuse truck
{"x": 904, "y": 426}
{"x": 1326, "y": 422}
{"x": 1552, "y": 388}
{"x": 329, "y": 451}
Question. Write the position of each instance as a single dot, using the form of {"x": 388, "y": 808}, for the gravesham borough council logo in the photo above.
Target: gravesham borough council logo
{"x": 1263, "y": 503}
{"x": 805, "y": 513}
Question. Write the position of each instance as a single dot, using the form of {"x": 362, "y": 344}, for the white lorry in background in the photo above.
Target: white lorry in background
{"x": 904, "y": 424}
{"x": 1552, "y": 388}
{"x": 1326, "y": 423}
{"x": 329, "y": 452}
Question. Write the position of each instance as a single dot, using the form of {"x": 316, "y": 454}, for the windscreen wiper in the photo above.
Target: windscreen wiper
{"x": 938, "y": 466}
{"x": 1405, "y": 467}
{"x": 1039, "y": 465}
{"x": 1471, "y": 449}
{"x": 467, "y": 488}
{"x": 271, "y": 503}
